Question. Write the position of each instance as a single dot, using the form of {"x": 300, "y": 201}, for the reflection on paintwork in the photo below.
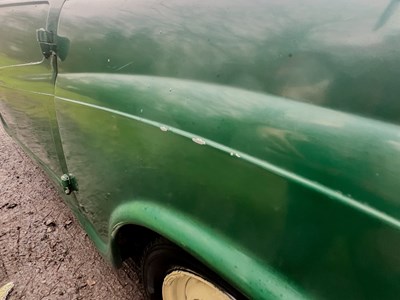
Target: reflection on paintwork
{"x": 387, "y": 14}
{"x": 253, "y": 86}
{"x": 18, "y": 33}
{"x": 26, "y": 87}
{"x": 291, "y": 168}
{"x": 146, "y": 158}
{"x": 281, "y": 140}
{"x": 149, "y": 159}
{"x": 395, "y": 144}
{"x": 321, "y": 59}
{"x": 274, "y": 129}
{"x": 22, "y": 65}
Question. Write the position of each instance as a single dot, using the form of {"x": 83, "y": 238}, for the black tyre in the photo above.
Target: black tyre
{"x": 168, "y": 270}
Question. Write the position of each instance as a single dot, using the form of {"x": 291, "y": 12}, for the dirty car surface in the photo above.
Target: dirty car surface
{"x": 255, "y": 144}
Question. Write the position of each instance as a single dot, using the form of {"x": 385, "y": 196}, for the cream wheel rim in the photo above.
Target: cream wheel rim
{"x": 183, "y": 285}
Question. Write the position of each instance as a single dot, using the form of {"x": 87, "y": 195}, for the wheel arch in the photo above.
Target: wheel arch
{"x": 245, "y": 272}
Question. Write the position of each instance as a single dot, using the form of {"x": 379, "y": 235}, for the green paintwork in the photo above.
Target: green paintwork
{"x": 26, "y": 85}
{"x": 261, "y": 137}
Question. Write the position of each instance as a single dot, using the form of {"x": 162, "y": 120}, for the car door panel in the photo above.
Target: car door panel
{"x": 250, "y": 124}
{"x": 27, "y": 80}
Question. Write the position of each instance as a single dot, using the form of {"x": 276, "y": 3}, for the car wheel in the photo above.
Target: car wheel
{"x": 169, "y": 273}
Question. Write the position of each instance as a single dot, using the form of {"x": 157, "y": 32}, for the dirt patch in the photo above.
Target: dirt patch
{"x": 43, "y": 249}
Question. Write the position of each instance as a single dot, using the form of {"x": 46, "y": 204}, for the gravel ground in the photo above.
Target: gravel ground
{"x": 43, "y": 249}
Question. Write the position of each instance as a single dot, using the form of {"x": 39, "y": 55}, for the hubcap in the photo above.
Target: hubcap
{"x": 183, "y": 285}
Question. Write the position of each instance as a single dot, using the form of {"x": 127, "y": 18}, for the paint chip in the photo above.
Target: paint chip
{"x": 199, "y": 141}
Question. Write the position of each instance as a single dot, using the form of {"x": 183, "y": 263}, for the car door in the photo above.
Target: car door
{"x": 27, "y": 78}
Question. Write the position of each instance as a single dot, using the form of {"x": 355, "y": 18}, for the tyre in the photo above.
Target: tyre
{"x": 169, "y": 273}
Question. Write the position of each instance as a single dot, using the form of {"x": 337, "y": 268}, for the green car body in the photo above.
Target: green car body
{"x": 262, "y": 137}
